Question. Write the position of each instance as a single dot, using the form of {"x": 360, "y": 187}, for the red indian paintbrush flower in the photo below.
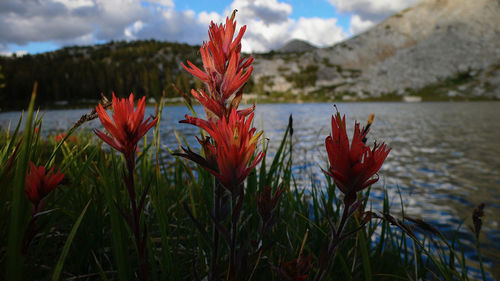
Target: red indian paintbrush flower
{"x": 352, "y": 168}
{"x": 234, "y": 145}
{"x": 127, "y": 126}
{"x": 61, "y": 136}
{"x": 39, "y": 183}
{"x": 225, "y": 71}
{"x": 266, "y": 202}
{"x": 295, "y": 270}
{"x": 126, "y": 129}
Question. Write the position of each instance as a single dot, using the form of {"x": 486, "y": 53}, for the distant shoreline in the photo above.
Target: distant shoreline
{"x": 270, "y": 101}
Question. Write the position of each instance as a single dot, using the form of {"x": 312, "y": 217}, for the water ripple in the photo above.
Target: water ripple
{"x": 445, "y": 157}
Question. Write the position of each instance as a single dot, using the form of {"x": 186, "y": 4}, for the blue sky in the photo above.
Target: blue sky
{"x": 310, "y": 8}
{"x": 47, "y": 25}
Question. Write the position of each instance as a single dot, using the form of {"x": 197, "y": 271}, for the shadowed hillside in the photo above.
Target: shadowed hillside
{"x": 76, "y": 75}
{"x": 438, "y": 50}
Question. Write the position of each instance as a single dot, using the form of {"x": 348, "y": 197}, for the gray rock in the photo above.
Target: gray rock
{"x": 432, "y": 42}
{"x": 296, "y": 46}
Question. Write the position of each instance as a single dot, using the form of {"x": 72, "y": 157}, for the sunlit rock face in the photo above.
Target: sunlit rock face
{"x": 436, "y": 41}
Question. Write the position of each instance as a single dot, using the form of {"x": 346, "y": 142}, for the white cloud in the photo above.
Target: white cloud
{"x": 69, "y": 22}
{"x": 21, "y": 30}
{"x": 266, "y": 11}
{"x": 18, "y": 53}
{"x": 372, "y": 9}
{"x": 111, "y": 21}
{"x": 268, "y": 23}
{"x": 359, "y": 25}
{"x": 206, "y": 18}
{"x": 75, "y": 4}
{"x": 66, "y": 20}
{"x": 164, "y": 3}
{"x": 133, "y": 29}
{"x": 269, "y": 26}
{"x": 320, "y": 32}
{"x": 261, "y": 37}
{"x": 85, "y": 39}
{"x": 172, "y": 25}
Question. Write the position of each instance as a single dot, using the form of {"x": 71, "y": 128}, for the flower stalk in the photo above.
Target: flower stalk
{"x": 38, "y": 184}
{"x": 229, "y": 151}
{"x": 225, "y": 72}
{"x": 139, "y": 237}
{"x": 126, "y": 129}
{"x": 352, "y": 167}
{"x": 218, "y": 192}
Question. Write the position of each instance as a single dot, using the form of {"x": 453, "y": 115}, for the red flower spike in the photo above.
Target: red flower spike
{"x": 127, "y": 126}
{"x": 352, "y": 167}
{"x": 225, "y": 71}
{"x": 61, "y": 136}
{"x": 39, "y": 183}
{"x": 295, "y": 270}
{"x": 266, "y": 203}
{"x": 234, "y": 146}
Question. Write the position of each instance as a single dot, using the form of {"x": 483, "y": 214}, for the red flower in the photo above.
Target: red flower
{"x": 225, "y": 71}
{"x": 40, "y": 183}
{"x": 352, "y": 168}
{"x": 295, "y": 270}
{"x": 234, "y": 146}
{"x": 61, "y": 136}
{"x": 266, "y": 203}
{"x": 127, "y": 126}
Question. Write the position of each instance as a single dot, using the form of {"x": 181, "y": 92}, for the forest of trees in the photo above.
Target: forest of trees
{"x": 80, "y": 74}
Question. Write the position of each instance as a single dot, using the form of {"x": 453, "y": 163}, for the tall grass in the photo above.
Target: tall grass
{"x": 83, "y": 236}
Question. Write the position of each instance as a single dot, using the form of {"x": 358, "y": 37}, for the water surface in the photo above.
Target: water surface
{"x": 445, "y": 157}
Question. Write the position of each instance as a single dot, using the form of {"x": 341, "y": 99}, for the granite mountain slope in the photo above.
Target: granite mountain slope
{"x": 445, "y": 48}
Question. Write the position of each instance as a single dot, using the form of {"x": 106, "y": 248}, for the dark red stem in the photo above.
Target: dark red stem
{"x": 215, "y": 247}
{"x": 332, "y": 244}
{"x": 236, "y": 196}
{"x": 136, "y": 214}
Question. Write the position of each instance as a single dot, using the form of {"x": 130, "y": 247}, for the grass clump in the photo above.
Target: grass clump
{"x": 82, "y": 235}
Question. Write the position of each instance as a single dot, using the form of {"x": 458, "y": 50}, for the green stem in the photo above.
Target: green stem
{"x": 481, "y": 265}
{"x": 332, "y": 245}
{"x": 136, "y": 214}
{"x": 13, "y": 260}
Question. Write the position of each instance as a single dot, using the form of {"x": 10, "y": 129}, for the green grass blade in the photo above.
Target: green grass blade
{"x": 276, "y": 160}
{"x": 59, "y": 145}
{"x": 67, "y": 245}
{"x": 14, "y": 262}
{"x": 101, "y": 270}
{"x": 363, "y": 247}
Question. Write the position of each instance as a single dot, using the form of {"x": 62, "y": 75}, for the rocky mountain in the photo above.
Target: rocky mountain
{"x": 436, "y": 49}
{"x": 296, "y": 46}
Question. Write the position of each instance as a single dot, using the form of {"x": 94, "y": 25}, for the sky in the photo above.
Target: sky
{"x": 35, "y": 26}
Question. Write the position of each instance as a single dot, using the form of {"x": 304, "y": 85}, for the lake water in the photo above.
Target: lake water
{"x": 445, "y": 157}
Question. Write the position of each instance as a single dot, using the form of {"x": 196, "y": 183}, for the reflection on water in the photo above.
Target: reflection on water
{"x": 445, "y": 157}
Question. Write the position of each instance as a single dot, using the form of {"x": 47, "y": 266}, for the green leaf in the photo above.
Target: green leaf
{"x": 18, "y": 213}
{"x": 67, "y": 245}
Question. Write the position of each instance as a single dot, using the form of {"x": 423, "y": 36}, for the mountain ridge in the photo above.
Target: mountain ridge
{"x": 296, "y": 46}
{"x": 423, "y": 45}
{"x": 437, "y": 49}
